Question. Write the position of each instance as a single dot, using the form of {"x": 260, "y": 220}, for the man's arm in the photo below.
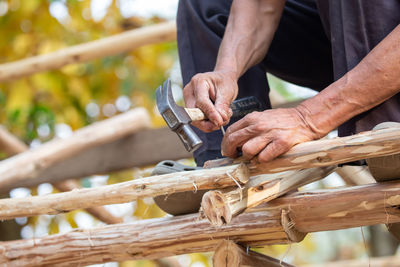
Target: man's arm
{"x": 273, "y": 132}
{"x": 248, "y": 35}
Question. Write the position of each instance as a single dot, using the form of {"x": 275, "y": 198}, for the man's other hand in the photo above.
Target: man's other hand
{"x": 262, "y": 136}
{"x": 213, "y": 93}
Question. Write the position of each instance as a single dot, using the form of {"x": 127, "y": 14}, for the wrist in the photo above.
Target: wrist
{"x": 318, "y": 125}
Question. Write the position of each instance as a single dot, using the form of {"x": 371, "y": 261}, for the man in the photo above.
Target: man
{"x": 348, "y": 50}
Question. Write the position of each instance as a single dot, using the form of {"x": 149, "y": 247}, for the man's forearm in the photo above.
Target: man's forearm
{"x": 375, "y": 79}
{"x": 248, "y": 35}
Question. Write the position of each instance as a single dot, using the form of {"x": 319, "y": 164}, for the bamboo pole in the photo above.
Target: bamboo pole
{"x": 263, "y": 225}
{"x": 12, "y": 146}
{"x": 21, "y": 169}
{"x": 119, "y": 43}
{"x": 327, "y": 152}
{"x": 356, "y": 175}
{"x": 229, "y": 254}
{"x": 123, "y": 192}
{"x": 220, "y": 206}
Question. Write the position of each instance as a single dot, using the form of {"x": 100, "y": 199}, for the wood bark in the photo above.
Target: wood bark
{"x": 229, "y": 254}
{"x": 328, "y": 152}
{"x": 17, "y": 170}
{"x": 220, "y": 206}
{"x": 157, "y": 238}
{"x": 120, "y": 43}
{"x": 123, "y": 192}
{"x": 12, "y": 146}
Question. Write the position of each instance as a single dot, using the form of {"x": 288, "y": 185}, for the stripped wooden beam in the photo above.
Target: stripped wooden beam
{"x": 229, "y": 254}
{"x": 12, "y": 146}
{"x": 157, "y": 238}
{"x": 18, "y": 170}
{"x": 328, "y": 152}
{"x": 220, "y": 206}
{"x": 119, "y": 43}
{"x": 123, "y": 192}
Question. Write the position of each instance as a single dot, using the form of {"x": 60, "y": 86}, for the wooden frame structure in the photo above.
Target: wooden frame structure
{"x": 243, "y": 205}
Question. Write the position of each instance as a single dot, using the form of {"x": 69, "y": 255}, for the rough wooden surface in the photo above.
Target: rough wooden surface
{"x": 12, "y": 146}
{"x": 220, "y": 206}
{"x": 113, "y": 45}
{"x": 393, "y": 261}
{"x": 328, "y": 152}
{"x": 229, "y": 254}
{"x": 145, "y": 147}
{"x": 17, "y": 170}
{"x": 98, "y": 212}
{"x": 157, "y": 238}
{"x": 123, "y": 192}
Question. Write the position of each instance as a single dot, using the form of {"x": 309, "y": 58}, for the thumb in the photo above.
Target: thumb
{"x": 223, "y": 101}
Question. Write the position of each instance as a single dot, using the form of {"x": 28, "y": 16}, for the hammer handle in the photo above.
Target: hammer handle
{"x": 240, "y": 108}
{"x": 195, "y": 114}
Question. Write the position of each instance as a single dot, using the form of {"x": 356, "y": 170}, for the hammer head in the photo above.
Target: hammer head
{"x": 176, "y": 117}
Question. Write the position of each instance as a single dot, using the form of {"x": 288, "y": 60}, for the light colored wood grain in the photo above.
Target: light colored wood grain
{"x": 229, "y": 254}
{"x": 123, "y": 192}
{"x": 26, "y": 165}
{"x": 119, "y": 43}
{"x": 220, "y": 206}
{"x": 157, "y": 238}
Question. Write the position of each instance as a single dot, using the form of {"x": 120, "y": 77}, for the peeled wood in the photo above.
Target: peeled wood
{"x": 229, "y": 254}
{"x": 393, "y": 261}
{"x": 119, "y": 43}
{"x": 356, "y": 175}
{"x": 328, "y": 152}
{"x": 220, "y": 206}
{"x": 158, "y": 238}
{"x": 98, "y": 212}
{"x": 12, "y": 146}
{"x": 123, "y": 192}
{"x": 22, "y": 167}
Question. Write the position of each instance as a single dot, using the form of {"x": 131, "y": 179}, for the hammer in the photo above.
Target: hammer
{"x": 179, "y": 118}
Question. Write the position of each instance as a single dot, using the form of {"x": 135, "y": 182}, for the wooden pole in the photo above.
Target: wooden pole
{"x": 21, "y": 169}
{"x": 328, "y": 152}
{"x": 12, "y": 146}
{"x": 229, "y": 254}
{"x": 392, "y": 261}
{"x": 119, "y": 43}
{"x": 220, "y": 206}
{"x": 123, "y": 192}
{"x": 263, "y": 225}
{"x": 355, "y": 175}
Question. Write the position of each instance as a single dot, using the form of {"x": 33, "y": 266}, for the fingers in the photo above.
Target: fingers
{"x": 223, "y": 100}
{"x": 254, "y": 146}
{"x": 234, "y": 140}
{"x": 274, "y": 149}
{"x": 203, "y": 101}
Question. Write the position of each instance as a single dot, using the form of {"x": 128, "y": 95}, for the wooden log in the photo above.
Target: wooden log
{"x": 328, "y": 152}
{"x": 157, "y": 238}
{"x": 124, "y": 192}
{"x": 98, "y": 212}
{"x": 15, "y": 146}
{"x": 355, "y": 175}
{"x": 229, "y": 254}
{"x": 142, "y": 148}
{"x": 220, "y": 206}
{"x": 392, "y": 261}
{"x": 119, "y": 43}
{"x": 17, "y": 170}
{"x": 10, "y": 144}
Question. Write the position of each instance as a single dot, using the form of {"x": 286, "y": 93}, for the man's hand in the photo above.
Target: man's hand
{"x": 213, "y": 93}
{"x": 267, "y": 134}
